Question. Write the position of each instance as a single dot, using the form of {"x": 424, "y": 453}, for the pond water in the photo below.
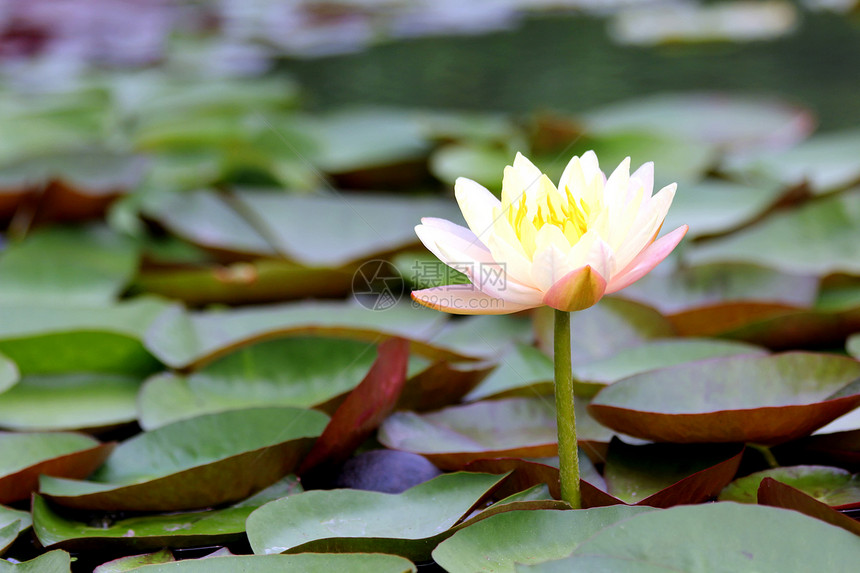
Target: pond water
{"x": 570, "y": 64}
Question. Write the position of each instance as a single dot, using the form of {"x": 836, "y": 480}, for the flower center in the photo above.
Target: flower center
{"x": 570, "y": 216}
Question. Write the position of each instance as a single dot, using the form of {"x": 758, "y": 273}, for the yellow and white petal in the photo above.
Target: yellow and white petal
{"x": 647, "y": 260}
{"x": 645, "y": 175}
{"x": 551, "y": 235}
{"x": 594, "y": 252}
{"x": 453, "y": 249}
{"x": 617, "y": 186}
{"x": 646, "y": 226}
{"x": 511, "y": 257}
{"x": 477, "y": 205}
{"x": 453, "y": 228}
{"x": 458, "y": 300}
{"x": 548, "y": 267}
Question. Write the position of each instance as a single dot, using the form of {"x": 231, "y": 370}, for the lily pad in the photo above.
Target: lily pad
{"x": 724, "y": 537}
{"x": 483, "y": 337}
{"x": 132, "y": 562}
{"x": 408, "y": 524}
{"x": 149, "y": 532}
{"x": 44, "y": 339}
{"x": 12, "y": 523}
{"x": 663, "y": 475}
{"x": 768, "y": 399}
{"x": 303, "y": 372}
{"x": 204, "y": 461}
{"x": 524, "y": 370}
{"x": 27, "y": 455}
{"x": 90, "y": 402}
{"x": 190, "y": 340}
{"x": 852, "y": 345}
{"x": 604, "y": 329}
{"x": 497, "y": 543}
{"x": 306, "y": 562}
{"x": 355, "y": 227}
{"x": 482, "y": 163}
{"x": 834, "y": 486}
{"x": 824, "y": 162}
{"x": 51, "y": 562}
{"x": 777, "y": 494}
{"x": 68, "y": 266}
{"x": 817, "y": 238}
{"x": 720, "y": 119}
{"x": 455, "y": 436}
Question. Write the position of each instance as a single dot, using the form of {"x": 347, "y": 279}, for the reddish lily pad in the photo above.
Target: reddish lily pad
{"x": 455, "y": 436}
{"x": 833, "y": 486}
{"x": 190, "y": 340}
{"x": 204, "y": 461}
{"x": 778, "y": 494}
{"x": 769, "y": 399}
{"x": 441, "y": 384}
{"x": 26, "y": 456}
{"x": 364, "y": 409}
{"x": 147, "y": 532}
{"x": 408, "y": 524}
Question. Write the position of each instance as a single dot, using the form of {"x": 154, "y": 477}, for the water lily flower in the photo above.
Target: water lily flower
{"x": 564, "y": 247}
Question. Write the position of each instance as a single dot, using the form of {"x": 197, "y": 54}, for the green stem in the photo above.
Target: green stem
{"x": 766, "y": 453}
{"x": 568, "y": 455}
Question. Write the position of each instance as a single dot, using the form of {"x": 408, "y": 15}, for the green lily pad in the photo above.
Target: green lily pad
{"x": 723, "y": 537}
{"x": 25, "y": 456}
{"x": 51, "y": 562}
{"x": 823, "y": 162}
{"x": 9, "y": 374}
{"x": 852, "y": 345}
{"x": 455, "y": 436}
{"x": 523, "y": 371}
{"x": 764, "y": 399}
{"x": 777, "y": 494}
{"x": 68, "y": 266}
{"x": 604, "y": 329}
{"x": 12, "y": 523}
{"x": 149, "y": 532}
{"x": 817, "y": 238}
{"x": 640, "y": 474}
{"x": 653, "y": 355}
{"x": 189, "y": 340}
{"x": 408, "y": 524}
{"x": 484, "y": 337}
{"x": 495, "y": 544}
{"x": 195, "y": 463}
{"x": 728, "y": 121}
{"x": 44, "y": 339}
{"x": 306, "y": 563}
{"x": 355, "y": 227}
{"x": 479, "y": 162}
{"x": 833, "y": 486}
{"x": 303, "y": 372}
{"x": 132, "y": 562}
{"x": 70, "y": 402}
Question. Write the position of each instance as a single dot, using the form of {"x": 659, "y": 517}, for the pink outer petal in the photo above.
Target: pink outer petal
{"x": 577, "y": 290}
{"x": 465, "y": 299}
{"x": 645, "y": 261}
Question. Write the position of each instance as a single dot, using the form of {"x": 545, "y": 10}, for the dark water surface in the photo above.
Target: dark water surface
{"x": 570, "y": 64}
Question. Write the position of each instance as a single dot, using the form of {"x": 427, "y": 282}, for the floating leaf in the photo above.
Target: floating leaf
{"x": 817, "y": 238}
{"x": 441, "y": 384}
{"x": 364, "y": 408}
{"x": 306, "y": 563}
{"x": 768, "y": 399}
{"x": 604, "y": 329}
{"x": 720, "y": 119}
{"x": 9, "y": 374}
{"x": 486, "y": 337}
{"x": 833, "y": 486}
{"x": 189, "y": 340}
{"x": 12, "y": 523}
{"x": 482, "y": 163}
{"x": 455, "y": 436}
{"x": 777, "y": 494}
{"x": 408, "y": 524}
{"x": 70, "y": 402}
{"x": 51, "y": 562}
{"x": 495, "y": 544}
{"x": 133, "y": 562}
{"x": 663, "y": 475}
{"x": 356, "y": 227}
{"x": 723, "y": 537}
{"x": 149, "y": 532}
{"x": 72, "y": 266}
{"x": 42, "y": 339}
{"x": 824, "y": 162}
{"x": 24, "y": 456}
{"x": 204, "y": 461}
{"x": 523, "y": 371}
{"x": 303, "y": 372}
{"x": 852, "y": 345}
